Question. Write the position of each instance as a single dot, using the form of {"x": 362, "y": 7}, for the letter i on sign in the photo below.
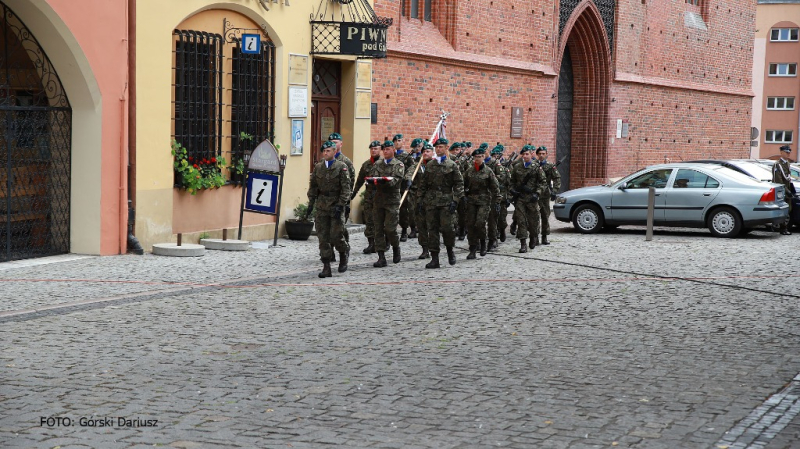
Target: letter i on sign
{"x": 262, "y": 193}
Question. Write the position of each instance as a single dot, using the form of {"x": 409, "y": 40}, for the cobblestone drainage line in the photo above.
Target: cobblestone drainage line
{"x": 766, "y": 421}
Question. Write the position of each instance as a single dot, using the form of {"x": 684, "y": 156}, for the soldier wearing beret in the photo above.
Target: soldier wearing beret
{"x": 781, "y": 174}
{"x": 406, "y": 212}
{"x": 366, "y": 205}
{"x": 419, "y": 208}
{"x": 483, "y": 194}
{"x": 329, "y": 191}
{"x": 351, "y": 169}
{"x": 528, "y": 181}
{"x": 498, "y": 220}
{"x": 549, "y": 194}
{"x": 441, "y": 190}
{"x": 386, "y": 205}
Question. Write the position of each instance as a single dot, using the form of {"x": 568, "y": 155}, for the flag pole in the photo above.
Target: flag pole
{"x": 436, "y": 132}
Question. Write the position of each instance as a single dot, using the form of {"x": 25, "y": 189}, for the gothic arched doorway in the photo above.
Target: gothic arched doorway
{"x": 35, "y": 144}
{"x": 583, "y": 103}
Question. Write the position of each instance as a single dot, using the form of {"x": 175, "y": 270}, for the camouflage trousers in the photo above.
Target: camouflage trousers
{"x": 330, "y": 232}
{"x": 407, "y": 213}
{"x": 477, "y": 218}
{"x": 462, "y": 215}
{"x": 385, "y": 217}
{"x": 440, "y": 221}
{"x": 422, "y": 228}
{"x": 544, "y": 213}
{"x": 369, "y": 220}
{"x": 497, "y": 221}
{"x": 527, "y": 215}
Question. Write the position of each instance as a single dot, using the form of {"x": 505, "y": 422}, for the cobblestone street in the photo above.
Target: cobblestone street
{"x": 594, "y": 341}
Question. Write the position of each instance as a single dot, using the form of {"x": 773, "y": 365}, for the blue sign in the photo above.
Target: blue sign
{"x": 251, "y": 44}
{"x": 262, "y": 193}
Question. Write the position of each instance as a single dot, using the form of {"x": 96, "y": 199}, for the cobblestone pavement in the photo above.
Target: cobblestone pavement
{"x": 594, "y": 341}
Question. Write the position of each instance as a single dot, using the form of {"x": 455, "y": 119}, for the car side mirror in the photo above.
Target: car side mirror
{"x": 623, "y": 186}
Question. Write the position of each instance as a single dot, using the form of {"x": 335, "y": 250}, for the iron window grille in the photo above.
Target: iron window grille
{"x": 252, "y": 99}
{"x": 197, "y": 85}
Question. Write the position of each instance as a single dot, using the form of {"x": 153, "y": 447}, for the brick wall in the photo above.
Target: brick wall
{"x": 685, "y": 91}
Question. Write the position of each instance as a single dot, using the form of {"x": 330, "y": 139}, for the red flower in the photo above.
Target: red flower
{"x": 213, "y": 160}
{"x": 191, "y": 159}
{"x": 195, "y": 166}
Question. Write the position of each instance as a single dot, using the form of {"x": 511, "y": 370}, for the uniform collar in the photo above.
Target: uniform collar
{"x": 329, "y": 163}
{"x": 527, "y": 164}
{"x": 387, "y": 161}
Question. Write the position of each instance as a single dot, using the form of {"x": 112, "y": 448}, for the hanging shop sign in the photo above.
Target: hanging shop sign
{"x": 363, "y": 36}
{"x": 361, "y": 39}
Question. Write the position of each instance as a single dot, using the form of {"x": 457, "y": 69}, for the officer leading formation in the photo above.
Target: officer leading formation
{"x": 436, "y": 193}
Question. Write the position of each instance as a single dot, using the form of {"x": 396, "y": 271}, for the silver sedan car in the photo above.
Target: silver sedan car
{"x": 729, "y": 203}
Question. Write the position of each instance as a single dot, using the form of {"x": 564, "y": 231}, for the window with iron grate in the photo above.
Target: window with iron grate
{"x": 197, "y": 85}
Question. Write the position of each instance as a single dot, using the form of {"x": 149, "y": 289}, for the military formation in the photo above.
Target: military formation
{"x": 437, "y": 193}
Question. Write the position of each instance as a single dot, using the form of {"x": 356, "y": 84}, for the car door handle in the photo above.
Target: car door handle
{"x": 658, "y": 194}
{"x": 706, "y": 194}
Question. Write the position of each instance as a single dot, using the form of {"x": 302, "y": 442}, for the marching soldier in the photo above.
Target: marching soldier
{"x": 364, "y": 172}
{"x": 329, "y": 190}
{"x": 419, "y": 209}
{"x": 513, "y": 161}
{"x": 463, "y": 159}
{"x": 386, "y": 205}
{"x": 483, "y": 194}
{"x": 406, "y": 211}
{"x": 441, "y": 190}
{"x": 416, "y": 153}
{"x": 336, "y": 138}
{"x": 781, "y": 174}
{"x": 549, "y": 194}
{"x": 528, "y": 181}
{"x": 498, "y": 221}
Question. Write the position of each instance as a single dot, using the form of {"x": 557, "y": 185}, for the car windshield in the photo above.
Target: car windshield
{"x": 758, "y": 171}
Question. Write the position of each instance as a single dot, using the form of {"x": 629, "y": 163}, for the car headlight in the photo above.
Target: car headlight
{"x": 561, "y": 200}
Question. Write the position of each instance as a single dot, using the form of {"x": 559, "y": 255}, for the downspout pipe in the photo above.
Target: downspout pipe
{"x": 133, "y": 243}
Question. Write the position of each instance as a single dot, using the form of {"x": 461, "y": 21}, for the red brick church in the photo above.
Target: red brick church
{"x": 611, "y": 86}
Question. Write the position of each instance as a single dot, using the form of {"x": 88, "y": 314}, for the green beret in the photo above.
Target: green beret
{"x": 441, "y": 141}
{"x": 397, "y": 136}
{"x": 375, "y": 143}
{"x": 335, "y": 136}
{"x": 416, "y": 142}
{"x": 327, "y": 144}
{"x": 499, "y": 147}
{"x": 525, "y": 149}
{"x": 497, "y": 150}
{"x": 468, "y": 144}
{"x": 455, "y": 146}
{"x": 478, "y": 151}
{"x": 427, "y": 146}
{"x": 387, "y": 144}
{"x": 541, "y": 148}
{"x": 484, "y": 145}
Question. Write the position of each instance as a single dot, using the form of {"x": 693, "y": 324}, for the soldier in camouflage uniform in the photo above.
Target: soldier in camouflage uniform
{"x": 386, "y": 205}
{"x": 351, "y": 170}
{"x": 483, "y": 195}
{"x": 528, "y": 181}
{"x": 549, "y": 194}
{"x": 329, "y": 191}
{"x": 406, "y": 212}
{"x": 441, "y": 190}
{"x": 463, "y": 160}
{"x": 366, "y": 205}
{"x": 419, "y": 209}
{"x": 416, "y": 152}
{"x": 498, "y": 221}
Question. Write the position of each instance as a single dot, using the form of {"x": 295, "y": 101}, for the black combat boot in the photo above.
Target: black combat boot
{"x": 413, "y": 233}
{"x": 492, "y": 245}
{"x": 534, "y": 241}
{"x": 502, "y": 234}
{"x": 462, "y": 233}
{"x": 370, "y": 246}
{"x": 326, "y": 269}
{"x": 483, "y": 248}
{"x": 381, "y": 260}
{"x": 396, "y": 254}
{"x": 523, "y": 246}
{"x": 434, "y": 263}
{"x": 451, "y": 256}
{"x": 425, "y": 254}
{"x": 343, "y": 258}
{"x": 512, "y": 228}
{"x": 403, "y": 235}
{"x": 472, "y": 249}
{"x": 544, "y": 240}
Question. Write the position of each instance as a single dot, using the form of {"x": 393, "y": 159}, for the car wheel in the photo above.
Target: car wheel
{"x": 724, "y": 222}
{"x": 587, "y": 219}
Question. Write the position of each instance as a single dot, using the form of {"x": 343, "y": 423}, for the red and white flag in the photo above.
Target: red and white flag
{"x": 439, "y": 132}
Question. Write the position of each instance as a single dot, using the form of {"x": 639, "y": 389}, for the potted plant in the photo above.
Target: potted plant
{"x": 300, "y": 228}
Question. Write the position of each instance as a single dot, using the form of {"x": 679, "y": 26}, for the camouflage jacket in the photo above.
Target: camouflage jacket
{"x": 351, "y": 169}
{"x": 464, "y": 163}
{"x": 329, "y": 186}
{"x": 406, "y": 159}
{"x": 388, "y": 193}
{"x": 553, "y": 178}
{"x": 503, "y": 176}
{"x": 364, "y": 172}
{"x": 528, "y": 185}
{"x": 482, "y": 185}
{"x": 441, "y": 184}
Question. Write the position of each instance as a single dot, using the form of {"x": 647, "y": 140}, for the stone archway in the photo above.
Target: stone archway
{"x": 586, "y": 44}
